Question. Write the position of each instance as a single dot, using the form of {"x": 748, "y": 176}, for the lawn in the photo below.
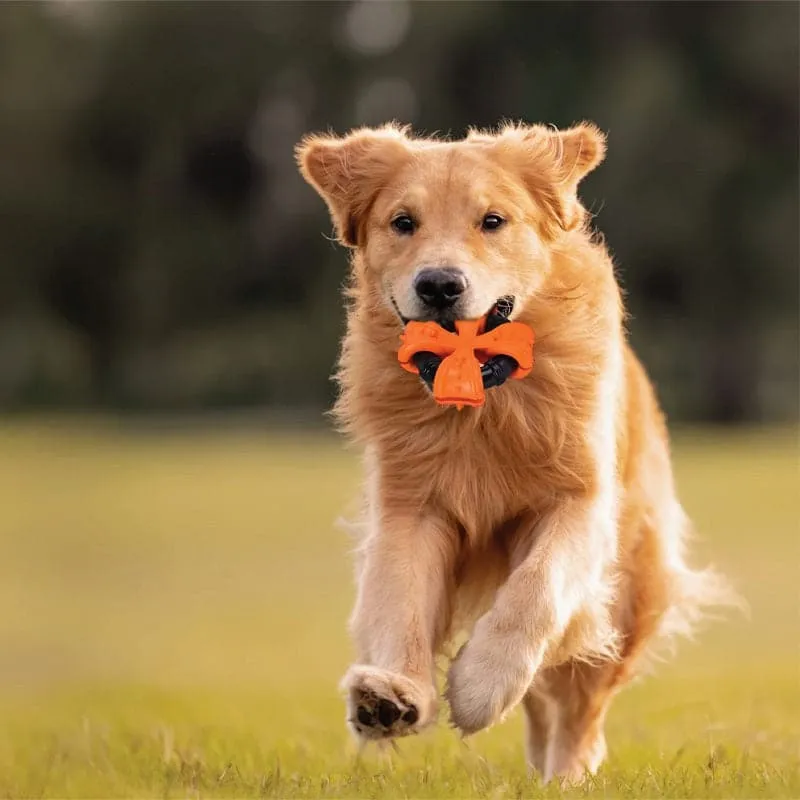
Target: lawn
{"x": 172, "y": 623}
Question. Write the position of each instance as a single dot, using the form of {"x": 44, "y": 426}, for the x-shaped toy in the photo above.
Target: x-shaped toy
{"x": 460, "y": 366}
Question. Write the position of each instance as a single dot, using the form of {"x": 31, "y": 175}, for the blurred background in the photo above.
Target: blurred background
{"x": 158, "y": 250}
{"x": 164, "y": 271}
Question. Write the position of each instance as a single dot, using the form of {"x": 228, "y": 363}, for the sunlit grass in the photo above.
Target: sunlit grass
{"x": 172, "y": 622}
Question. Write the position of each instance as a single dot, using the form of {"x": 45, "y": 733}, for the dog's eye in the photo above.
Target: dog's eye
{"x": 491, "y": 222}
{"x": 402, "y": 223}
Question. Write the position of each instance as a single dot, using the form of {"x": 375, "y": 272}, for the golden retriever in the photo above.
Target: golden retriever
{"x": 545, "y": 522}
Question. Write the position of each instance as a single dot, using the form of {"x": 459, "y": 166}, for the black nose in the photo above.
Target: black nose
{"x": 440, "y": 288}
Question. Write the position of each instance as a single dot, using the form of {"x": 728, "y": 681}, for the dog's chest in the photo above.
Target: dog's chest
{"x": 490, "y": 474}
{"x": 475, "y": 486}
{"x": 481, "y": 468}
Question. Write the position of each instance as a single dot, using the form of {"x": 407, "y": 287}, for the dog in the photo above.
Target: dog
{"x": 545, "y": 523}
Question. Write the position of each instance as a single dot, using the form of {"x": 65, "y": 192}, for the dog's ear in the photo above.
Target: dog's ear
{"x": 582, "y": 148}
{"x": 553, "y": 163}
{"x": 578, "y": 151}
{"x": 348, "y": 172}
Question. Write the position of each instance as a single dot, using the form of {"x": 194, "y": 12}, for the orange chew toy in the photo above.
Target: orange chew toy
{"x": 458, "y": 380}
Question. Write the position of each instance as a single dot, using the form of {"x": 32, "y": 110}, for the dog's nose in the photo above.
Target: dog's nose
{"x": 440, "y": 288}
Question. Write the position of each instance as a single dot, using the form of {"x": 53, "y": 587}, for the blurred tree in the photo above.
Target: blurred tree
{"x": 157, "y": 247}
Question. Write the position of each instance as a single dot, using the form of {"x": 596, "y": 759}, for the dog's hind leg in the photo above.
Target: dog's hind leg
{"x": 577, "y": 694}
{"x": 572, "y": 699}
{"x": 540, "y": 720}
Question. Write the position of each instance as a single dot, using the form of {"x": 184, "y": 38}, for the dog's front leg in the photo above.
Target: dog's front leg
{"x": 559, "y": 574}
{"x": 401, "y": 614}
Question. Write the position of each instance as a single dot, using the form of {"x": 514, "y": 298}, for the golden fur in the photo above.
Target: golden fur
{"x": 546, "y": 521}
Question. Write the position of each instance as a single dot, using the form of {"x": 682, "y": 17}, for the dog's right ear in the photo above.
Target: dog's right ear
{"x": 348, "y": 172}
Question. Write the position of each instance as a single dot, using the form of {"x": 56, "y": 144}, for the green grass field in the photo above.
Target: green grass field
{"x": 172, "y": 623}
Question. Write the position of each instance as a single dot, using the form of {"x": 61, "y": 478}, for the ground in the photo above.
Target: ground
{"x": 172, "y": 622}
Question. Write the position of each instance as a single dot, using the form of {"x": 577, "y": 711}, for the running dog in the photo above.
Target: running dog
{"x": 544, "y": 523}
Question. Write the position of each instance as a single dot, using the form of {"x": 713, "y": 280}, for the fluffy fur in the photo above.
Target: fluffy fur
{"x": 546, "y": 522}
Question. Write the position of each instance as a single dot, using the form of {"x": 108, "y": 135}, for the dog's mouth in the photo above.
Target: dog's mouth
{"x": 499, "y": 312}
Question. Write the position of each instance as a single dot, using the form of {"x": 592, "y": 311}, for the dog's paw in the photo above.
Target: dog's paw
{"x": 383, "y": 704}
{"x": 488, "y": 677}
{"x": 573, "y": 768}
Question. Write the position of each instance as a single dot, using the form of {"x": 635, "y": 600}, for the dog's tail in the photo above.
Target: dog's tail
{"x": 695, "y": 596}
{"x": 700, "y": 595}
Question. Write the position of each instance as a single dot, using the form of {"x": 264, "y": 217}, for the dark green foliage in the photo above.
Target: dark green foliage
{"x": 158, "y": 249}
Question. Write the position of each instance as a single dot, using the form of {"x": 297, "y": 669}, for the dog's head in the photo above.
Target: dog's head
{"x": 445, "y": 229}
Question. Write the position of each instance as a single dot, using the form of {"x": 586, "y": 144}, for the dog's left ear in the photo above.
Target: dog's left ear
{"x": 552, "y": 164}
{"x": 580, "y": 150}
{"x": 348, "y": 172}
{"x": 577, "y": 151}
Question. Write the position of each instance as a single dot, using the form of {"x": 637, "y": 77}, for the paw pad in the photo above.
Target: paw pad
{"x": 388, "y": 713}
{"x": 379, "y": 717}
{"x": 384, "y": 705}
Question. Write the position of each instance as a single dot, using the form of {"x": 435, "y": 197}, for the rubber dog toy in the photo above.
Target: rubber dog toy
{"x": 460, "y": 366}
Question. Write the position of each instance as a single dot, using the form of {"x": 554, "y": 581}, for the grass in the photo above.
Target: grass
{"x": 148, "y": 647}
